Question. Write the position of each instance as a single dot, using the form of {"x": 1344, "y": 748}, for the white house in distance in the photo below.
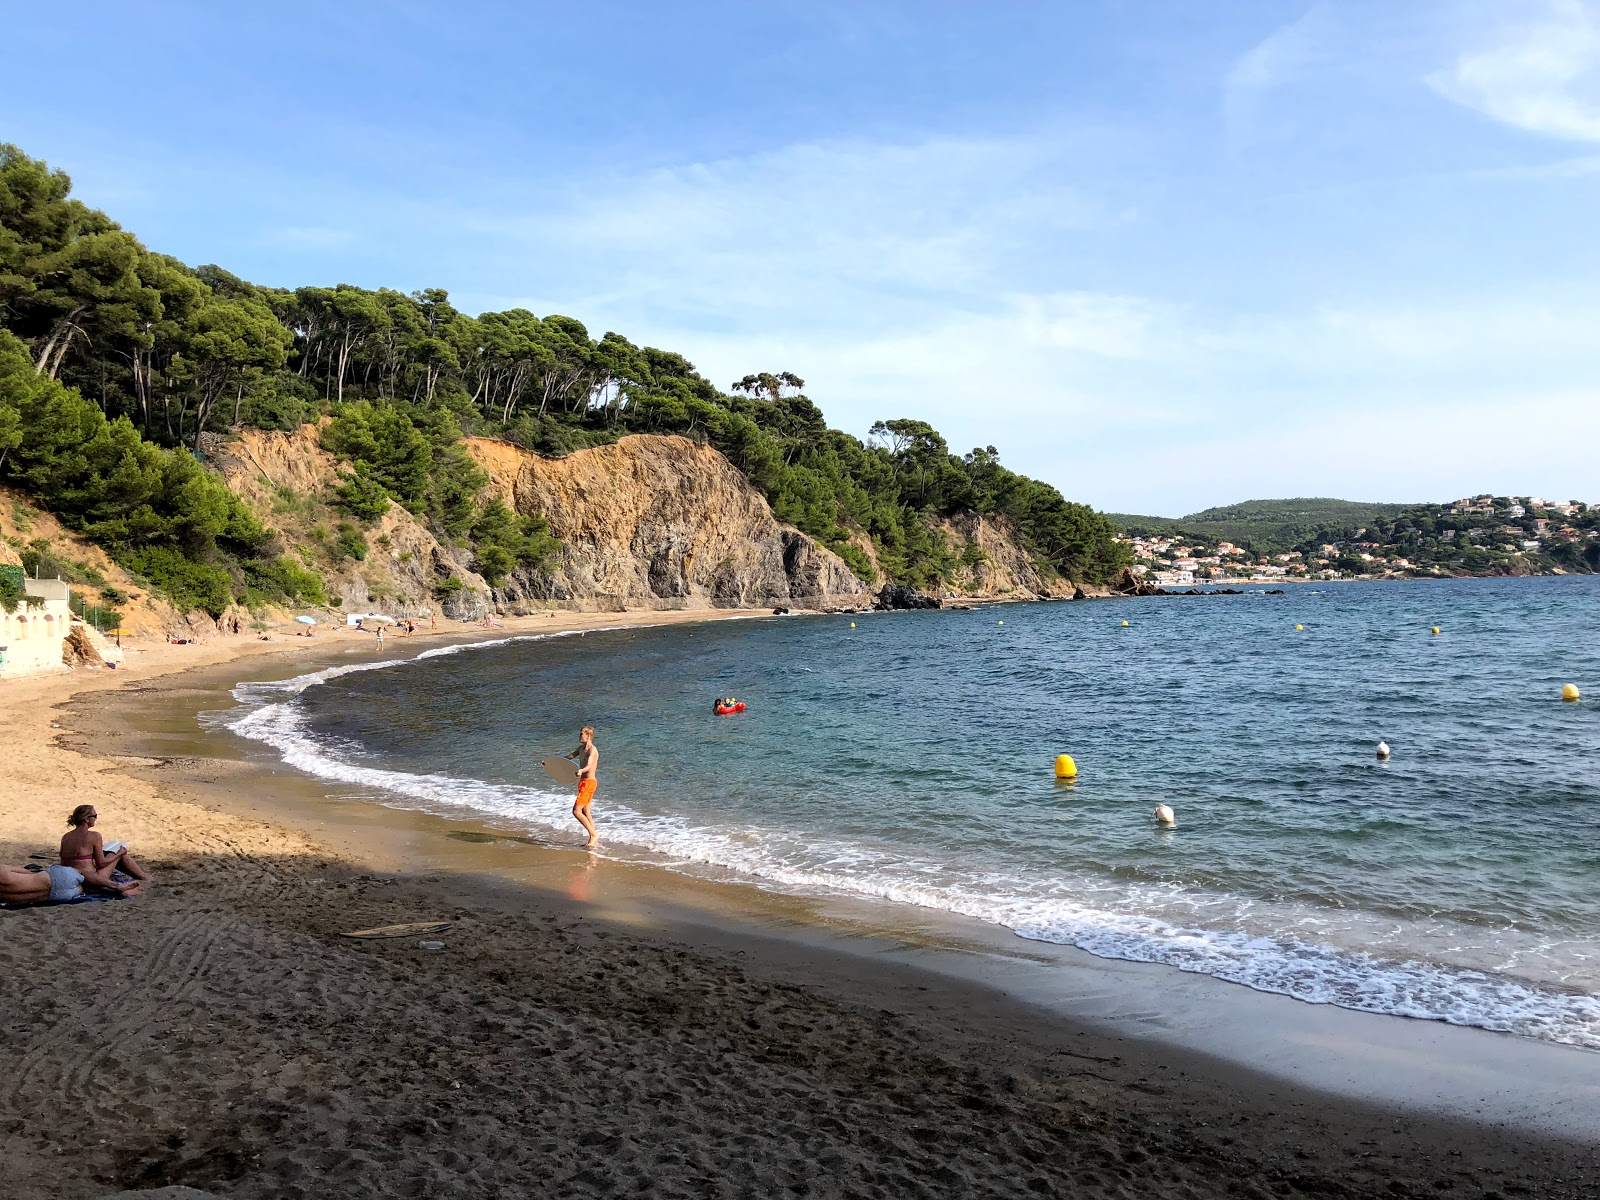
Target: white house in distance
{"x": 31, "y": 637}
{"x": 35, "y": 637}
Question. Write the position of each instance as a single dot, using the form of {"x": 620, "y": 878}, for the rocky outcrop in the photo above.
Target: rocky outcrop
{"x": 79, "y": 650}
{"x": 658, "y": 522}
{"x": 994, "y": 566}
{"x": 287, "y": 478}
{"x": 1129, "y": 584}
{"x": 898, "y": 596}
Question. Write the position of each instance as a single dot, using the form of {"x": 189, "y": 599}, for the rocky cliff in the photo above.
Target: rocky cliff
{"x": 288, "y": 479}
{"x": 647, "y": 522}
{"x": 659, "y": 522}
{"x": 994, "y": 564}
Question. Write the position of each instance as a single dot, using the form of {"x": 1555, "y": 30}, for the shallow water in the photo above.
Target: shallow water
{"x": 910, "y": 759}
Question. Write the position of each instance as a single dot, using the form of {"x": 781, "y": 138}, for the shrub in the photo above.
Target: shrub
{"x": 362, "y": 496}
{"x": 505, "y": 541}
{"x": 188, "y": 582}
{"x": 283, "y": 579}
{"x": 11, "y": 592}
{"x": 351, "y": 543}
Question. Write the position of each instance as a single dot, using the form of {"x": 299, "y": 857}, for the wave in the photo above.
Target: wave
{"x": 1054, "y": 911}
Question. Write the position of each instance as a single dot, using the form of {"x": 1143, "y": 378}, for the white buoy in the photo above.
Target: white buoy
{"x": 1383, "y": 749}
{"x": 1165, "y": 816}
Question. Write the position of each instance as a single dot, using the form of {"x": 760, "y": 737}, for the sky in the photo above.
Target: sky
{"x": 1163, "y": 255}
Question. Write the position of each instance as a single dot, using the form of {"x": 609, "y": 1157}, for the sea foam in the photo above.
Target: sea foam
{"x": 1059, "y": 911}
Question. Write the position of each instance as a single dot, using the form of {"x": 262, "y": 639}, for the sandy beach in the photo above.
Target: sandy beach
{"x": 589, "y": 1029}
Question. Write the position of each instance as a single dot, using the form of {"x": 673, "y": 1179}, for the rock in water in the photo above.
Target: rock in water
{"x": 1129, "y": 584}
{"x": 897, "y": 595}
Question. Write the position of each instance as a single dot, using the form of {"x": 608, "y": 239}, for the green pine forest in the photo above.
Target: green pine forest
{"x": 115, "y": 359}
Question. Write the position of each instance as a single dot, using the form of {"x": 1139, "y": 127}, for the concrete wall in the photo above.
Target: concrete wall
{"x": 32, "y": 636}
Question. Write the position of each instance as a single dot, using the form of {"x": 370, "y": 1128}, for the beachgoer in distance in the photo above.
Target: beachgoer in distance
{"x": 85, "y": 851}
{"x": 588, "y": 758}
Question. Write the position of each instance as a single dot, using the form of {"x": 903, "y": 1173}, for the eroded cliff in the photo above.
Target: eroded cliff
{"x": 993, "y": 563}
{"x": 659, "y": 522}
{"x": 288, "y": 479}
{"x": 649, "y": 522}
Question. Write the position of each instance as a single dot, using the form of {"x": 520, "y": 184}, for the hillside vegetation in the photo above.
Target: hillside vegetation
{"x": 1484, "y": 535}
{"x": 1266, "y": 526}
{"x": 116, "y": 360}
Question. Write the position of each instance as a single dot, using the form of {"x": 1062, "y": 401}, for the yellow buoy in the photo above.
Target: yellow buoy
{"x": 1298, "y": 628}
{"x": 1065, "y": 767}
{"x": 1570, "y": 692}
{"x": 1435, "y": 629}
{"x": 1124, "y": 624}
{"x": 999, "y": 622}
{"x": 852, "y": 624}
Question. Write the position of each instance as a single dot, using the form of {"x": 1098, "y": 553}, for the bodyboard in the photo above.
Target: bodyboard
{"x": 560, "y": 769}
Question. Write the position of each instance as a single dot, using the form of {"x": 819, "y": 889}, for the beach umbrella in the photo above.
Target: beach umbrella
{"x": 306, "y": 620}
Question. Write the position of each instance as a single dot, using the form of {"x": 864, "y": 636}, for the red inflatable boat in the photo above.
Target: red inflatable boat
{"x": 723, "y": 710}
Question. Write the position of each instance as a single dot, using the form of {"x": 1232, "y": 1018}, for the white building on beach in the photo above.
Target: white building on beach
{"x": 31, "y": 637}
{"x": 34, "y": 638}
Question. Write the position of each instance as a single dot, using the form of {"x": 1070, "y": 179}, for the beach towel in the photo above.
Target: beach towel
{"x": 80, "y": 898}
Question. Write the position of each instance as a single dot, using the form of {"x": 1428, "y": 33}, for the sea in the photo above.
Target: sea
{"x": 907, "y": 758}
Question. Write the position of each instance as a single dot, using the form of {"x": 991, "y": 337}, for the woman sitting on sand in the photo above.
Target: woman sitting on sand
{"x": 83, "y": 850}
{"x": 18, "y": 885}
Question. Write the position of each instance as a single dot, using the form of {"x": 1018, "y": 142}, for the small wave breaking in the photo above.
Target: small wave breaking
{"x": 1054, "y": 911}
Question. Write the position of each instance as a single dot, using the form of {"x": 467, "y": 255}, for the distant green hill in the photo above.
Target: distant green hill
{"x": 1266, "y": 526}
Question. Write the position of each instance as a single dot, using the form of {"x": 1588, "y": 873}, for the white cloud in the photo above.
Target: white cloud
{"x": 1284, "y": 57}
{"x": 1542, "y": 76}
{"x": 814, "y": 229}
{"x": 1279, "y": 58}
{"x": 940, "y": 280}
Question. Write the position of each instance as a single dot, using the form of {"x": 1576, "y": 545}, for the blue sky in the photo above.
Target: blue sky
{"x": 1161, "y": 254}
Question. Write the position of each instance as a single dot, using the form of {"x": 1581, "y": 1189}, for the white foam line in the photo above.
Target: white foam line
{"x": 1290, "y": 966}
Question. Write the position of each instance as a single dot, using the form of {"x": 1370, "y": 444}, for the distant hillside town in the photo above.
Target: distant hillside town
{"x": 1479, "y": 535}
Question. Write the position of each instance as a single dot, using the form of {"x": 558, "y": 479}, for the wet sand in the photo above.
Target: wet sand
{"x": 596, "y": 1028}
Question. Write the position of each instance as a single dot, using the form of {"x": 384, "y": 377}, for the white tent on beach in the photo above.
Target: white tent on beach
{"x": 369, "y": 618}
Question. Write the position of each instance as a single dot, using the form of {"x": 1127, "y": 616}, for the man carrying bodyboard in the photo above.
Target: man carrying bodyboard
{"x": 588, "y": 759}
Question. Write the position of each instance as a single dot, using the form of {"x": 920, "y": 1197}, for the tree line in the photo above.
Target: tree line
{"x": 162, "y": 353}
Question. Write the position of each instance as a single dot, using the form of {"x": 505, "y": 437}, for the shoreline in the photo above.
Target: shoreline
{"x": 224, "y": 829}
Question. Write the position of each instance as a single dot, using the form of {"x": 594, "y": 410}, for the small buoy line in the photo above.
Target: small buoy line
{"x": 1066, "y": 767}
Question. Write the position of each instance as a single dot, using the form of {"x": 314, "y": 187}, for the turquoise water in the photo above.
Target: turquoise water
{"x": 910, "y": 759}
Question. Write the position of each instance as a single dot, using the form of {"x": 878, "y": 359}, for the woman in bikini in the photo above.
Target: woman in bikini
{"x": 84, "y": 851}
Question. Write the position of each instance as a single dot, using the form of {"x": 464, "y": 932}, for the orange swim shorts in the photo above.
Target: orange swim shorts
{"x": 586, "y": 789}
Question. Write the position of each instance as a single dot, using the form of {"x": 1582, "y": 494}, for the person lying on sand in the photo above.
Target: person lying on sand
{"x": 83, "y": 850}
{"x": 588, "y": 756}
{"x": 18, "y": 885}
